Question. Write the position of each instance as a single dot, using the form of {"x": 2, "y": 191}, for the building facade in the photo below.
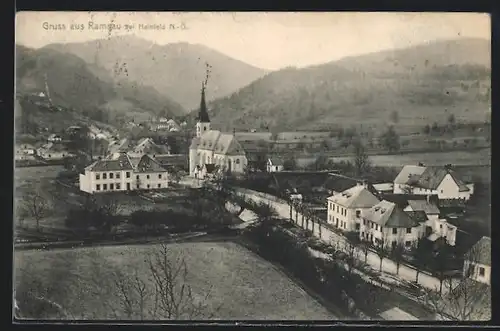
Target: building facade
{"x": 345, "y": 209}
{"x": 123, "y": 174}
{"x": 274, "y": 164}
{"x": 214, "y": 147}
{"x": 477, "y": 264}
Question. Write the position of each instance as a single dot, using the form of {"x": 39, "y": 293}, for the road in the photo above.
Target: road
{"x": 329, "y": 236}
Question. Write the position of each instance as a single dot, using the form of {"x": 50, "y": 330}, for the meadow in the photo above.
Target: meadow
{"x": 239, "y": 284}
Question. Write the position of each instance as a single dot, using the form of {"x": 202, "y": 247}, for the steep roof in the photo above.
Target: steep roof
{"x": 220, "y": 143}
{"x": 387, "y": 214}
{"x": 148, "y": 146}
{"x": 480, "y": 252}
{"x": 276, "y": 161}
{"x": 147, "y": 164}
{"x": 423, "y": 205}
{"x": 203, "y": 113}
{"x": 407, "y": 172}
{"x": 418, "y": 216}
{"x": 356, "y": 197}
{"x": 195, "y": 142}
{"x": 121, "y": 163}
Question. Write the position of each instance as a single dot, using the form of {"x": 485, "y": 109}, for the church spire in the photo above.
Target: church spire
{"x": 203, "y": 114}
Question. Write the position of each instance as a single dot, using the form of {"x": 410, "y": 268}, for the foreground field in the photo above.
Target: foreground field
{"x": 240, "y": 285}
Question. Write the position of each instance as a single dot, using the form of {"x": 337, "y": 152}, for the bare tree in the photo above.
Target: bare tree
{"x": 361, "y": 161}
{"x": 173, "y": 297}
{"x": 351, "y": 255}
{"x": 365, "y": 248}
{"x": 398, "y": 250}
{"x": 381, "y": 248}
{"x": 37, "y": 206}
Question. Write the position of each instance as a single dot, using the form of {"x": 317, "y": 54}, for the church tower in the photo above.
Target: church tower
{"x": 203, "y": 124}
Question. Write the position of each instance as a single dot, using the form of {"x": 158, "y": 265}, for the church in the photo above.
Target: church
{"x": 214, "y": 148}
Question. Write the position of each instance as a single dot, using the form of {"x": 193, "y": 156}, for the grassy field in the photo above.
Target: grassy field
{"x": 242, "y": 284}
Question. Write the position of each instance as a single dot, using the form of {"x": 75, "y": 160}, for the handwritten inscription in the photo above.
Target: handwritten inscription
{"x": 96, "y": 26}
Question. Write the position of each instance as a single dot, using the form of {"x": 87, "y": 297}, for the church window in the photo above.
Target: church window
{"x": 205, "y": 128}
{"x": 237, "y": 161}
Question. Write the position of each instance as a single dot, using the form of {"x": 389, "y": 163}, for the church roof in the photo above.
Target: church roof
{"x": 219, "y": 143}
{"x": 203, "y": 113}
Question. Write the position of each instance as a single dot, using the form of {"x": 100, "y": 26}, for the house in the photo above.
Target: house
{"x": 53, "y": 151}
{"x": 54, "y": 138}
{"x": 25, "y": 152}
{"x": 123, "y": 174}
{"x": 274, "y": 164}
{"x": 206, "y": 171}
{"x": 442, "y": 181}
{"x": 387, "y": 224}
{"x": 435, "y": 226}
{"x": 345, "y": 209}
{"x": 149, "y": 147}
{"x": 214, "y": 147}
{"x": 477, "y": 264}
{"x": 178, "y": 161}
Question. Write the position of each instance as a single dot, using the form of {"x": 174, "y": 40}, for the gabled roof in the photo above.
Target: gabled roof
{"x": 407, "y": 172}
{"x": 121, "y": 163}
{"x": 219, "y": 143}
{"x": 276, "y": 161}
{"x": 418, "y": 216}
{"x": 147, "y": 164}
{"x": 480, "y": 252}
{"x": 423, "y": 205}
{"x": 148, "y": 146}
{"x": 356, "y": 197}
{"x": 387, "y": 214}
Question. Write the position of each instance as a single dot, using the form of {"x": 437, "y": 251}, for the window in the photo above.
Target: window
{"x": 149, "y": 186}
{"x": 394, "y": 231}
{"x": 358, "y": 213}
{"x": 238, "y": 162}
{"x": 111, "y": 175}
{"x": 159, "y": 176}
{"x": 481, "y": 271}
{"x": 408, "y": 243}
{"x": 111, "y": 186}
{"x": 441, "y": 191}
{"x": 97, "y": 176}
{"x": 408, "y": 230}
{"x": 205, "y": 128}
{"x": 104, "y": 176}
{"x": 98, "y": 187}
{"x": 362, "y": 234}
{"x": 440, "y": 226}
{"x": 357, "y": 226}
{"x": 128, "y": 174}
{"x": 373, "y": 225}
{"x": 137, "y": 177}
{"x": 118, "y": 186}
{"x": 364, "y": 222}
{"x": 147, "y": 176}
{"x": 337, "y": 208}
{"x": 376, "y": 227}
{"x": 137, "y": 185}
{"x": 117, "y": 175}
{"x": 104, "y": 187}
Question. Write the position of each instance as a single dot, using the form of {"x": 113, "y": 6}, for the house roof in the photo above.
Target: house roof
{"x": 219, "y": 143}
{"x": 407, "y": 172}
{"x": 418, "y": 216}
{"x": 276, "y": 161}
{"x": 169, "y": 160}
{"x": 356, "y": 197}
{"x": 480, "y": 252}
{"x": 427, "y": 177}
{"x": 210, "y": 167}
{"x": 423, "y": 205}
{"x": 147, "y": 164}
{"x": 121, "y": 163}
{"x": 148, "y": 146}
{"x": 387, "y": 214}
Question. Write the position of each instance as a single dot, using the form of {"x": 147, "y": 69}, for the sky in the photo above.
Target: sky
{"x": 266, "y": 40}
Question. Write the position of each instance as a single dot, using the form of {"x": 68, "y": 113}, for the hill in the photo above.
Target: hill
{"x": 174, "y": 70}
{"x": 423, "y": 84}
{"x": 70, "y": 83}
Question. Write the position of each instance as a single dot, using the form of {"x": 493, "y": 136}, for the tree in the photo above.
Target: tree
{"x": 381, "y": 248}
{"x": 351, "y": 255}
{"x": 321, "y": 162}
{"x": 290, "y": 163}
{"x": 37, "y": 206}
{"x": 361, "y": 161}
{"x": 397, "y": 252}
{"x": 441, "y": 261}
{"x": 365, "y": 248}
{"x": 395, "y": 117}
{"x": 390, "y": 139}
{"x": 421, "y": 256}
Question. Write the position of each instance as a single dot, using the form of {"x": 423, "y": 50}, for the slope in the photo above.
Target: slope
{"x": 175, "y": 70}
{"x": 425, "y": 83}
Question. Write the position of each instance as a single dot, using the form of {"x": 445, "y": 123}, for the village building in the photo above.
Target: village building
{"x": 149, "y": 147}
{"x": 477, "y": 264}
{"x": 54, "y": 138}
{"x": 275, "y": 164}
{"x": 207, "y": 171}
{"x": 386, "y": 224}
{"x": 214, "y": 147}
{"x": 345, "y": 209}
{"x": 25, "y": 152}
{"x": 123, "y": 174}
{"x": 53, "y": 151}
{"x": 442, "y": 181}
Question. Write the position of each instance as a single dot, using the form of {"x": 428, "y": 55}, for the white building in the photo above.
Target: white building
{"x": 274, "y": 164}
{"x": 432, "y": 180}
{"x": 54, "y": 138}
{"x": 345, "y": 209}
{"x": 214, "y": 147}
{"x": 52, "y": 151}
{"x": 477, "y": 264}
{"x": 123, "y": 174}
{"x": 386, "y": 224}
{"x": 206, "y": 171}
{"x": 149, "y": 147}
{"x": 25, "y": 152}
